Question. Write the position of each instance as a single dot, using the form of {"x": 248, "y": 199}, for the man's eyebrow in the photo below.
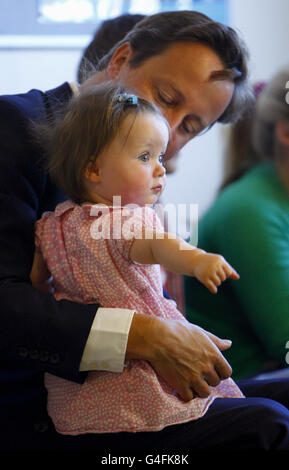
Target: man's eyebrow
{"x": 225, "y": 74}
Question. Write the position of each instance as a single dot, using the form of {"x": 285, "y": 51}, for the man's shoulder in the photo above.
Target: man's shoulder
{"x": 34, "y": 102}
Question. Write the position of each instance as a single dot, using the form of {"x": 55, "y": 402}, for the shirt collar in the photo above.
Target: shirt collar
{"x": 74, "y": 88}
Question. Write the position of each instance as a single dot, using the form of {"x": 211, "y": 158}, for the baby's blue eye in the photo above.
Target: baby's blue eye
{"x": 144, "y": 157}
{"x": 161, "y": 157}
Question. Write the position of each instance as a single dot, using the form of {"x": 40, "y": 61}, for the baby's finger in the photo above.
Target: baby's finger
{"x": 231, "y": 272}
{"x": 235, "y": 275}
{"x": 222, "y": 274}
{"x": 211, "y": 286}
{"x": 216, "y": 279}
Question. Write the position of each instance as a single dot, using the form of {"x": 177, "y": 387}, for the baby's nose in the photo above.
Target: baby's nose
{"x": 159, "y": 169}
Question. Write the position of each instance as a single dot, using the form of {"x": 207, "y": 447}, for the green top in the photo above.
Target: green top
{"x": 249, "y": 225}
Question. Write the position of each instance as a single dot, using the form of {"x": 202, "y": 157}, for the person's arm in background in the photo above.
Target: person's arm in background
{"x": 254, "y": 237}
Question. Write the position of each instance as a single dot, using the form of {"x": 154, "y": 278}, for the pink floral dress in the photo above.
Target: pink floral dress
{"x": 89, "y": 268}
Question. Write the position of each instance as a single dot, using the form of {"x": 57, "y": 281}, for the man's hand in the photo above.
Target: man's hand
{"x": 187, "y": 357}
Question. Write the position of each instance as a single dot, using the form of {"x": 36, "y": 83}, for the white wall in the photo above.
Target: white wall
{"x": 264, "y": 26}
{"x": 23, "y": 69}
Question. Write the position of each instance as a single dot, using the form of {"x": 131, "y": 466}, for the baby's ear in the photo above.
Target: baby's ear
{"x": 91, "y": 172}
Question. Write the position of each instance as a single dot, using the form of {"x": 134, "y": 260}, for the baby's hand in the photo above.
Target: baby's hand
{"x": 212, "y": 270}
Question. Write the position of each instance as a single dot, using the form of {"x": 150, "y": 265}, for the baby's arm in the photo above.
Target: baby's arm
{"x": 40, "y": 275}
{"x": 180, "y": 257}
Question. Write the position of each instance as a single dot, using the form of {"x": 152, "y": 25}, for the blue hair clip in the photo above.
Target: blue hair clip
{"x": 128, "y": 100}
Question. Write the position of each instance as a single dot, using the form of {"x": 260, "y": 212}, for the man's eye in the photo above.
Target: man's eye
{"x": 144, "y": 157}
{"x": 189, "y": 129}
{"x": 165, "y": 99}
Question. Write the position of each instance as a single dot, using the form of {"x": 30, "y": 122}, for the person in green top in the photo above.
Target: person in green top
{"x": 249, "y": 225}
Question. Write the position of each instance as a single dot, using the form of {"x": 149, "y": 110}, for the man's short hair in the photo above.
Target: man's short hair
{"x": 105, "y": 37}
{"x": 156, "y": 33}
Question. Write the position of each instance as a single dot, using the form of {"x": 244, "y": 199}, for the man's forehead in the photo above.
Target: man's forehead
{"x": 180, "y": 73}
{"x": 193, "y": 51}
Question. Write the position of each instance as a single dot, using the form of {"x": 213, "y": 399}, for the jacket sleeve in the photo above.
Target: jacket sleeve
{"x": 36, "y": 331}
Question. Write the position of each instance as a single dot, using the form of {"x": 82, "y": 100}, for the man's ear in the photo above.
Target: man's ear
{"x": 120, "y": 58}
{"x": 92, "y": 172}
{"x": 282, "y": 132}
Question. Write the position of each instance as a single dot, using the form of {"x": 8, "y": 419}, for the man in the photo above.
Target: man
{"x": 194, "y": 70}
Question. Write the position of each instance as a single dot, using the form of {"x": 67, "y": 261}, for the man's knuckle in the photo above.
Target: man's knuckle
{"x": 207, "y": 371}
{"x": 203, "y": 392}
{"x": 195, "y": 382}
{"x": 227, "y": 373}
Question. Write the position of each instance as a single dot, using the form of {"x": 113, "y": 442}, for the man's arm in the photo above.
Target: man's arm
{"x": 255, "y": 238}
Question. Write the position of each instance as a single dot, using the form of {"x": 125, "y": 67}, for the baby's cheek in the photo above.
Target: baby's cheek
{"x": 135, "y": 194}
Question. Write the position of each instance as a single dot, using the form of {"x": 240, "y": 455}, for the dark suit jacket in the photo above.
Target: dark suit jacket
{"x": 37, "y": 333}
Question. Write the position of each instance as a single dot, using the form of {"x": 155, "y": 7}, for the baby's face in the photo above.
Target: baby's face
{"x": 131, "y": 166}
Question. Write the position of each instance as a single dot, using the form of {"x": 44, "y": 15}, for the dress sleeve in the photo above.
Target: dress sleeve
{"x": 136, "y": 224}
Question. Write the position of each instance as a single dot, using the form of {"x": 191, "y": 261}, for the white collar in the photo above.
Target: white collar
{"x": 74, "y": 88}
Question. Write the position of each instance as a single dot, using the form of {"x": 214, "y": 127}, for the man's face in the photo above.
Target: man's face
{"x": 182, "y": 82}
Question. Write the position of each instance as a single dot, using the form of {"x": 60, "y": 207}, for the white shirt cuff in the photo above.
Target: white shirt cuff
{"x": 107, "y": 341}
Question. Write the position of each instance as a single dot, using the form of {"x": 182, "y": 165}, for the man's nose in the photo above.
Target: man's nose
{"x": 175, "y": 144}
{"x": 174, "y": 119}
